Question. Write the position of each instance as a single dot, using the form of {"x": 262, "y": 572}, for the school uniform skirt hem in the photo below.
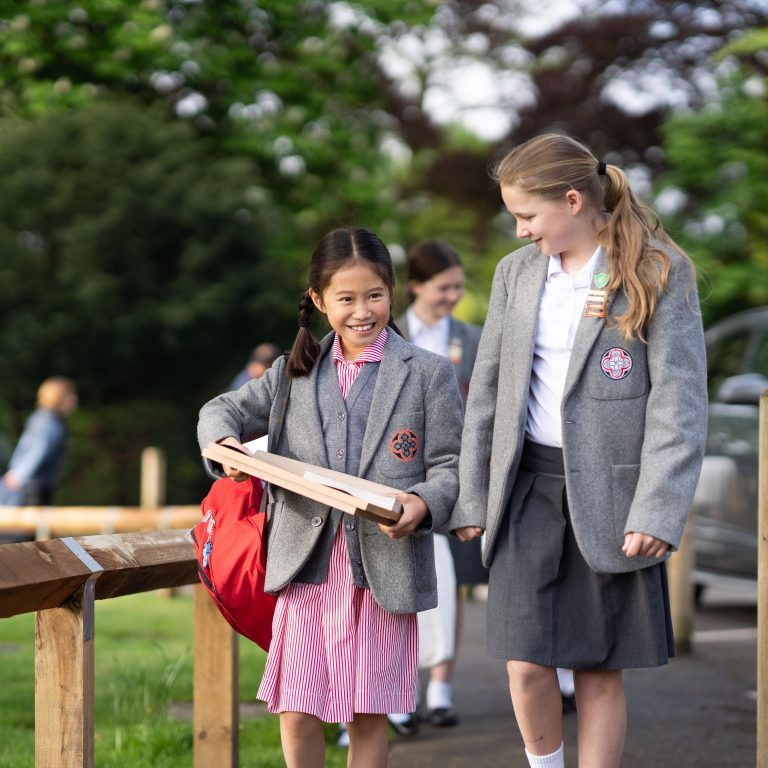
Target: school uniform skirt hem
{"x": 547, "y": 606}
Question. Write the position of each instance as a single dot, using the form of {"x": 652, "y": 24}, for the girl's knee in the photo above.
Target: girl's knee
{"x": 299, "y": 722}
{"x": 524, "y": 674}
{"x": 598, "y": 683}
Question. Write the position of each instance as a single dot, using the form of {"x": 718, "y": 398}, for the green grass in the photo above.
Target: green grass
{"x": 143, "y": 664}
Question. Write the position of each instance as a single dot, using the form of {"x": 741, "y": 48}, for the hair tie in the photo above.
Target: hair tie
{"x": 303, "y": 323}
{"x": 601, "y": 168}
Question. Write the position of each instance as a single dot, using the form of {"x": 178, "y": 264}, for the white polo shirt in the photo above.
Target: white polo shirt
{"x": 561, "y": 309}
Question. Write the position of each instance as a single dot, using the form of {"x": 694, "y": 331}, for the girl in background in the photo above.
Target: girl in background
{"x": 364, "y": 402}
{"x": 436, "y": 284}
{"x": 584, "y": 436}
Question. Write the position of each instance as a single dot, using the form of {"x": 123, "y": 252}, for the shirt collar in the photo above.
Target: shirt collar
{"x": 582, "y": 278}
{"x": 371, "y": 354}
{"x": 416, "y": 325}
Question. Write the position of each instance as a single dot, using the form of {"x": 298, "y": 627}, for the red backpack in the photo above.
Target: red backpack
{"x": 231, "y": 556}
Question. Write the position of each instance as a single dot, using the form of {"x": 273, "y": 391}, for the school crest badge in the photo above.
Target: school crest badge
{"x": 616, "y": 363}
{"x": 404, "y": 445}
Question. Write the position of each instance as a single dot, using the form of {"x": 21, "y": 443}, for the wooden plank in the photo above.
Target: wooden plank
{"x": 762, "y": 587}
{"x": 152, "y": 478}
{"x": 82, "y": 521}
{"x": 681, "y": 591}
{"x": 216, "y": 693}
{"x": 289, "y": 478}
{"x": 139, "y": 562}
{"x": 37, "y": 575}
{"x": 64, "y": 684}
{"x": 43, "y": 574}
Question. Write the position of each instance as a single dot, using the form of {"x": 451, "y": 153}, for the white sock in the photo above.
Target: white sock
{"x": 438, "y": 695}
{"x": 398, "y": 717}
{"x": 555, "y": 760}
{"x": 565, "y": 679}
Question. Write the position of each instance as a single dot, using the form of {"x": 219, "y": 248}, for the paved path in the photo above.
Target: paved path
{"x": 700, "y": 710}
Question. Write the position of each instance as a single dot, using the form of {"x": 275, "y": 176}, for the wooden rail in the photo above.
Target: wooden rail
{"x": 762, "y": 587}
{"x": 60, "y": 580}
{"x": 52, "y": 522}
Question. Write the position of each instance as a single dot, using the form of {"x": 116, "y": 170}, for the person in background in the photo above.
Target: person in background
{"x": 34, "y": 466}
{"x": 584, "y": 437}
{"x": 261, "y": 358}
{"x": 436, "y": 284}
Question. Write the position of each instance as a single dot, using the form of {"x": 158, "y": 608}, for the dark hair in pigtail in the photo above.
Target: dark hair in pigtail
{"x": 339, "y": 249}
{"x": 305, "y": 348}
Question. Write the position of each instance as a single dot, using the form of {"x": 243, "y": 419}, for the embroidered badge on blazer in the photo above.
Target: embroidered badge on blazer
{"x": 404, "y": 445}
{"x": 616, "y": 363}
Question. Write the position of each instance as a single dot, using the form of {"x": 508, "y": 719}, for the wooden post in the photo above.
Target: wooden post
{"x": 152, "y": 477}
{"x": 762, "y": 587}
{"x": 681, "y": 591}
{"x": 216, "y": 691}
{"x": 64, "y": 675}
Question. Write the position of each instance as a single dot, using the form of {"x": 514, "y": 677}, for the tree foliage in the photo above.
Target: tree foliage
{"x": 717, "y": 186}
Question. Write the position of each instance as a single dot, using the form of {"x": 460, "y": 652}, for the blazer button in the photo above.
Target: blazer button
{"x": 339, "y": 454}
{"x": 317, "y": 521}
{"x": 350, "y": 526}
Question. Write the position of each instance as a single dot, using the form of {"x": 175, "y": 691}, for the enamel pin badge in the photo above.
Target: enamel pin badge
{"x": 597, "y": 296}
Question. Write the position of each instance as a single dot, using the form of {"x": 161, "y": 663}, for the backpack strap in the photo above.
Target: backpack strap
{"x": 283, "y": 393}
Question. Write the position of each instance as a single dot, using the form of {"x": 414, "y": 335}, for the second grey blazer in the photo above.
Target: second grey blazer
{"x": 414, "y": 390}
{"x": 633, "y": 446}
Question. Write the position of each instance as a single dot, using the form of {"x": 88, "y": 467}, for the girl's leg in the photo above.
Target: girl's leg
{"x": 602, "y": 712}
{"x": 303, "y": 740}
{"x": 538, "y": 707}
{"x": 368, "y": 745}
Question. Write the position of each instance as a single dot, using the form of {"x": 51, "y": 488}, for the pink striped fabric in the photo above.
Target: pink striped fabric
{"x": 335, "y": 651}
{"x": 348, "y": 371}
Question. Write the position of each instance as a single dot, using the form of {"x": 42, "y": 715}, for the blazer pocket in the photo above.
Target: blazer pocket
{"x": 617, "y": 371}
{"x": 624, "y": 479}
{"x": 402, "y": 453}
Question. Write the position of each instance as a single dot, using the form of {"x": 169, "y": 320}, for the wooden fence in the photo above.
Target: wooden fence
{"x": 60, "y": 580}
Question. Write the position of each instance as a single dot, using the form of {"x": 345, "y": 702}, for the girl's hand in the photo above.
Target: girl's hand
{"x": 235, "y": 474}
{"x": 468, "y": 532}
{"x": 415, "y": 510}
{"x": 642, "y": 544}
{"x": 12, "y": 481}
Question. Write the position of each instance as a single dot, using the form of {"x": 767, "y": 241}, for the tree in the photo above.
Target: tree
{"x": 716, "y": 191}
{"x": 132, "y": 262}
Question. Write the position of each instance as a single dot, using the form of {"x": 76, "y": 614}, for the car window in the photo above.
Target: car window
{"x": 725, "y": 358}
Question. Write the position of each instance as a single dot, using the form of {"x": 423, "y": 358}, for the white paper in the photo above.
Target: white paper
{"x": 259, "y": 444}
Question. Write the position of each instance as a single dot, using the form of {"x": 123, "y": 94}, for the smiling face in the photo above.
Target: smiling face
{"x": 357, "y": 303}
{"x": 435, "y": 298}
{"x": 550, "y": 224}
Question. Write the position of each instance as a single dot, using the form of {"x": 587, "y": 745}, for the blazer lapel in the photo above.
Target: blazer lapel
{"x": 523, "y": 313}
{"x": 393, "y": 371}
{"x": 587, "y": 332}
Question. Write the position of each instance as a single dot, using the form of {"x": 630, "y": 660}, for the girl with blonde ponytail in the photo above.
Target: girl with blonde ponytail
{"x": 590, "y": 380}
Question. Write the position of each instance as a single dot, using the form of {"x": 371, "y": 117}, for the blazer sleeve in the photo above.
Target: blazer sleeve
{"x": 480, "y": 415}
{"x": 242, "y": 414}
{"x": 442, "y": 440}
{"x": 676, "y": 413}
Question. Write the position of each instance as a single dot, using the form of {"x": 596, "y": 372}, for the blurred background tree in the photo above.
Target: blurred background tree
{"x": 167, "y": 167}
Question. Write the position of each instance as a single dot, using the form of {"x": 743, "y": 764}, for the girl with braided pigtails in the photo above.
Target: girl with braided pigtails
{"x": 365, "y": 402}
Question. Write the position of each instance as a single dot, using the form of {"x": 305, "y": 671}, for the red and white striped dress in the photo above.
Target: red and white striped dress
{"x": 335, "y": 651}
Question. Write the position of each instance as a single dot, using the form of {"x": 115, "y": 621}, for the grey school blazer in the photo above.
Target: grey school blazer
{"x": 414, "y": 390}
{"x": 463, "y": 340}
{"x": 634, "y": 415}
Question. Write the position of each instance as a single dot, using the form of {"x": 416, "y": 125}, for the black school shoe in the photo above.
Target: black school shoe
{"x": 443, "y": 717}
{"x": 407, "y": 727}
{"x": 569, "y": 703}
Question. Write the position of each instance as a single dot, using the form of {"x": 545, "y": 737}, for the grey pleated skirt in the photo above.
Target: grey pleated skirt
{"x": 547, "y": 606}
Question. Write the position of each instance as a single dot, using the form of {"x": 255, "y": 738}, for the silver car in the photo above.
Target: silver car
{"x": 725, "y": 504}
